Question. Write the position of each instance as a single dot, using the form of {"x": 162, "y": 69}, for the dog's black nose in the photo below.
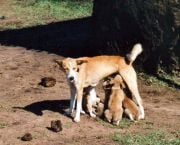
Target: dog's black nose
{"x": 71, "y": 78}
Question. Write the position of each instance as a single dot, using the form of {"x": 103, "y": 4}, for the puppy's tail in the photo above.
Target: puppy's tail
{"x": 136, "y": 50}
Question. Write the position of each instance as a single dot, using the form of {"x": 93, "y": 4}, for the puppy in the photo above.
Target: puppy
{"x": 115, "y": 109}
{"x": 129, "y": 107}
{"x": 90, "y": 101}
{"x": 88, "y": 71}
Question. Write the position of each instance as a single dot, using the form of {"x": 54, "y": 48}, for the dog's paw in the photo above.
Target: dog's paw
{"x": 141, "y": 117}
{"x": 82, "y": 112}
{"x": 93, "y": 115}
{"x": 141, "y": 114}
{"x": 76, "y": 119}
{"x": 116, "y": 122}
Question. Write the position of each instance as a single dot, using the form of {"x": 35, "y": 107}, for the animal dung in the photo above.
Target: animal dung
{"x": 48, "y": 82}
{"x": 27, "y": 137}
{"x": 56, "y": 125}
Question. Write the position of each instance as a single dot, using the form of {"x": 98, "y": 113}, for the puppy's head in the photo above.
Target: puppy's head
{"x": 113, "y": 80}
{"x": 71, "y": 68}
{"x": 117, "y": 80}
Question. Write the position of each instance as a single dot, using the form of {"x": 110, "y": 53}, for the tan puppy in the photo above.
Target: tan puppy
{"x": 88, "y": 71}
{"x": 130, "y": 108}
{"x": 115, "y": 109}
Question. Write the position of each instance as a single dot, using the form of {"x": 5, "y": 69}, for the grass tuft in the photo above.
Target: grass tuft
{"x": 155, "y": 138}
{"x": 124, "y": 123}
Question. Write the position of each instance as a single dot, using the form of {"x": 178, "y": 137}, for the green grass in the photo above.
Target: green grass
{"x": 154, "y": 138}
{"x": 168, "y": 81}
{"x": 124, "y": 124}
{"x": 3, "y": 125}
{"x": 37, "y": 12}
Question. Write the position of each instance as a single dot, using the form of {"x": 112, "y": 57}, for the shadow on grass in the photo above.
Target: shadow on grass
{"x": 71, "y": 38}
{"x": 51, "y": 105}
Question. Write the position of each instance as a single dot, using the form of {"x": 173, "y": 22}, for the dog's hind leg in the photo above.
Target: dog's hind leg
{"x": 130, "y": 78}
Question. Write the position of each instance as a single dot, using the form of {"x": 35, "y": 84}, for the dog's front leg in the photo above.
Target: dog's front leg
{"x": 73, "y": 99}
{"x": 78, "y": 105}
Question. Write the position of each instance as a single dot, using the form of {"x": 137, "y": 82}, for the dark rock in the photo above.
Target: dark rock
{"x": 48, "y": 82}
{"x": 56, "y": 125}
{"x": 27, "y": 137}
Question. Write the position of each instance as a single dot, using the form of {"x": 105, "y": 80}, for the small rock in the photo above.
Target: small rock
{"x": 56, "y": 125}
{"x": 48, "y": 82}
{"x": 27, "y": 137}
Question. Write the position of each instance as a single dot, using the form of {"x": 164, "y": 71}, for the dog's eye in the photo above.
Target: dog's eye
{"x": 77, "y": 69}
{"x": 66, "y": 70}
{"x": 74, "y": 68}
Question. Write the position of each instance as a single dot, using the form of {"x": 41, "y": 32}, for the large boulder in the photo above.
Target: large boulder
{"x": 155, "y": 23}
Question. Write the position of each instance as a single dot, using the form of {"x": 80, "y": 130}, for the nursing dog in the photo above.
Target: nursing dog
{"x": 90, "y": 101}
{"x": 115, "y": 110}
{"x": 88, "y": 71}
{"x": 116, "y": 91}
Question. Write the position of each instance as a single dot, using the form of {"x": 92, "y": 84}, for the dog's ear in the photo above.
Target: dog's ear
{"x": 59, "y": 62}
{"x": 81, "y": 61}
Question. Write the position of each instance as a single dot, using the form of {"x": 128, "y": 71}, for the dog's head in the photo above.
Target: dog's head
{"x": 71, "y": 67}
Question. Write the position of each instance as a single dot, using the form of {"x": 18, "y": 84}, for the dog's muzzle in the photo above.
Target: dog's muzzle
{"x": 71, "y": 79}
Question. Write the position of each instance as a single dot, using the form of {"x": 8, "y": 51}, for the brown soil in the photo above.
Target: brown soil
{"x": 27, "y": 107}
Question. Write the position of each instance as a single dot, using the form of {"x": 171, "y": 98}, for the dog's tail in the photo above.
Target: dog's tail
{"x": 136, "y": 50}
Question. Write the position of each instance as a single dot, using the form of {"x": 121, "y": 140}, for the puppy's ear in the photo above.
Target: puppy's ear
{"x": 59, "y": 62}
{"x": 81, "y": 61}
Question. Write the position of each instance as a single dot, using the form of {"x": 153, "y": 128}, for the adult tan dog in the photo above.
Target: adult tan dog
{"x": 88, "y": 71}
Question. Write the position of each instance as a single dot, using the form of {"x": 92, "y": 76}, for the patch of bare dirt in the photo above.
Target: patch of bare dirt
{"x": 28, "y": 107}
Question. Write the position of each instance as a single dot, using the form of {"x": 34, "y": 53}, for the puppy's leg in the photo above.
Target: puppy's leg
{"x": 89, "y": 107}
{"x": 129, "y": 114}
{"x": 117, "y": 116}
{"x": 129, "y": 76}
{"x": 73, "y": 99}
{"x": 78, "y": 105}
{"x": 108, "y": 115}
